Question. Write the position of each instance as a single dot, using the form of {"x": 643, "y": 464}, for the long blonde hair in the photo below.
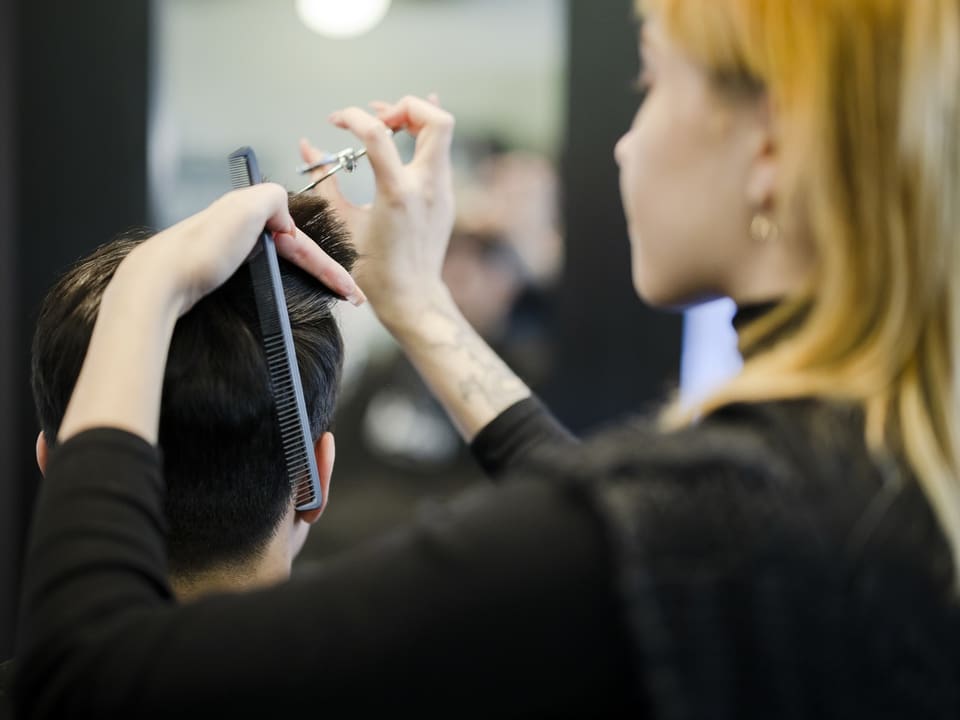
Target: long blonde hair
{"x": 867, "y": 99}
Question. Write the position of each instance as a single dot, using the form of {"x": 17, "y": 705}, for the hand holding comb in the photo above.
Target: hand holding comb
{"x": 281, "y": 356}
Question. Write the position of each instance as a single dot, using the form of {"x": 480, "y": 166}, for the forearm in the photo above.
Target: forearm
{"x": 122, "y": 375}
{"x": 465, "y": 375}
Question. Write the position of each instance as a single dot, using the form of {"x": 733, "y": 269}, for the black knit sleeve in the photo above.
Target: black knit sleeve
{"x": 497, "y": 603}
{"x": 517, "y": 437}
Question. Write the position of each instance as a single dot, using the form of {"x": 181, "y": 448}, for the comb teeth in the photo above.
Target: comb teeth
{"x": 239, "y": 172}
{"x": 288, "y": 417}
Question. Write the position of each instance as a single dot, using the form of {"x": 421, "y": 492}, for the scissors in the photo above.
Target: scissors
{"x": 346, "y": 159}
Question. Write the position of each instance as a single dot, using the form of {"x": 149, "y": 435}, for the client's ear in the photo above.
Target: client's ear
{"x": 42, "y": 451}
{"x": 324, "y": 450}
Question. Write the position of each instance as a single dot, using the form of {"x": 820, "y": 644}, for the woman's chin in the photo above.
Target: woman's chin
{"x": 650, "y": 291}
{"x": 666, "y": 296}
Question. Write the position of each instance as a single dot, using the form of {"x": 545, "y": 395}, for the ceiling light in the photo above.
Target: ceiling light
{"x": 341, "y": 18}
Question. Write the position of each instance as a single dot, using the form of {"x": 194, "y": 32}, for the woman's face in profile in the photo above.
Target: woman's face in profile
{"x": 686, "y": 166}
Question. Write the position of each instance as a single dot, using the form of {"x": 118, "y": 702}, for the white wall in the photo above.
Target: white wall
{"x": 248, "y": 72}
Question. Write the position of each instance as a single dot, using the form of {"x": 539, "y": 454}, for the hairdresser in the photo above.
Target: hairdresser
{"x": 787, "y": 548}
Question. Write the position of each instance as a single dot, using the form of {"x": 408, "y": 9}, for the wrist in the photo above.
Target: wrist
{"x": 143, "y": 297}
{"x": 403, "y": 315}
{"x": 144, "y": 278}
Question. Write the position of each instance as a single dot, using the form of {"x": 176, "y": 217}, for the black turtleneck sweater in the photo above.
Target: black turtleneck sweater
{"x": 761, "y": 564}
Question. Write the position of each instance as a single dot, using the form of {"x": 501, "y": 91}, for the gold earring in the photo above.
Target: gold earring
{"x": 764, "y": 229}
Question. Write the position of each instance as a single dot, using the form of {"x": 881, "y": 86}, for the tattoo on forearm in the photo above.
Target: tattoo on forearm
{"x": 483, "y": 381}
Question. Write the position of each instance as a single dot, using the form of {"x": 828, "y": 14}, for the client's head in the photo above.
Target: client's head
{"x": 229, "y": 504}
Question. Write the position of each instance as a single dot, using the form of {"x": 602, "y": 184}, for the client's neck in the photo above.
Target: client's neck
{"x": 270, "y": 568}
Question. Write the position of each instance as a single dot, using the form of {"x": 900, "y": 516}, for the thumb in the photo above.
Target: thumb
{"x": 329, "y": 189}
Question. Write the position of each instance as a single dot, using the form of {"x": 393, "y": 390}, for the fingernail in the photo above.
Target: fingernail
{"x": 357, "y": 298}
{"x": 350, "y": 291}
{"x": 334, "y": 117}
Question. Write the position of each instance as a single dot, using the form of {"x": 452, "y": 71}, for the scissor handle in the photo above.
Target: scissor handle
{"x": 349, "y": 154}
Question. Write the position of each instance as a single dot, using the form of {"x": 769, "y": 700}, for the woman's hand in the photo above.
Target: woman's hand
{"x": 122, "y": 375}
{"x": 402, "y": 237}
{"x": 198, "y": 254}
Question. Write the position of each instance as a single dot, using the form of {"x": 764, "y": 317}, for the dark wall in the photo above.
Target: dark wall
{"x": 616, "y": 356}
{"x": 9, "y": 425}
{"x": 79, "y": 124}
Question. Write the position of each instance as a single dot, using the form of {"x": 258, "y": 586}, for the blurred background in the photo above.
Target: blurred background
{"x": 121, "y": 113}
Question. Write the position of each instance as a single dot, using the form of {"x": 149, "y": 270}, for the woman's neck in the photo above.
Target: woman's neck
{"x": 748, "y": 312}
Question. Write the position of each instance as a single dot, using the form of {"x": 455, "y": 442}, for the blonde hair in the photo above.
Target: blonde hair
{"x": 867, "y": 99}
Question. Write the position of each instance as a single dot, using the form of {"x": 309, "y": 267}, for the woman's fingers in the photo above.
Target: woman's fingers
{"x": 403, "y": 237}
{"x": 298, "y": 248}
{"x": 266, "y": 206}
{"x": 422, "y": 118}
{"x": 378, "y": 141}
{"x": 272, "y": 201}
{"x": 246, "y": 212}
{"x": 430, "y": 123}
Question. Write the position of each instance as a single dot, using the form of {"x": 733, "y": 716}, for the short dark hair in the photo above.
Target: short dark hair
{"x": 227, "y": 489}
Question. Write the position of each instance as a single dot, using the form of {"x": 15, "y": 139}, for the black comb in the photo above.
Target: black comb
{"x": 278, "y": 346}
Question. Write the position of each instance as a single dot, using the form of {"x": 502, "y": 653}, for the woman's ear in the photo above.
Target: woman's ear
{"x": 765, "y": 162}
{"x": 762, "y": 181}
{"x": 42, "y": 451}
